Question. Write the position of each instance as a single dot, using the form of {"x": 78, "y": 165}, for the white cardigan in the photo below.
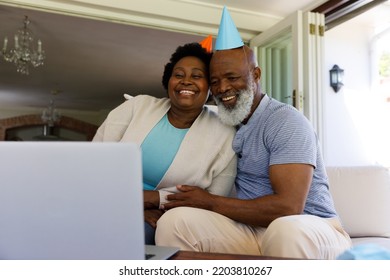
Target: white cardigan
{"x": 205, "y": 157}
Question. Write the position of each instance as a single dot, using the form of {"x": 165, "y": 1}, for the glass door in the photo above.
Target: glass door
{"x": 290, "y": 55}
{"x": 279, "y": 54}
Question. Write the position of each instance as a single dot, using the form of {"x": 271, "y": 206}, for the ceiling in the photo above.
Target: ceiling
{"x": 91, "y": 63}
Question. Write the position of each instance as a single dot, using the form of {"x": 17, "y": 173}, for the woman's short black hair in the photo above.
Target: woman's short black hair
{"x": 190, "y": 49}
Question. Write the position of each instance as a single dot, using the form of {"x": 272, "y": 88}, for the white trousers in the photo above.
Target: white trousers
{"x": 297, "y": 236}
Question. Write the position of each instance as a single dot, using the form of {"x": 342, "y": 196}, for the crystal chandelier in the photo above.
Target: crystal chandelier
{"x": 50, "y": 115}
{"x": 24, "y": 53}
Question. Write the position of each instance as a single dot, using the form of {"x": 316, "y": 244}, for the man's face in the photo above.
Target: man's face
{"x": 232, "y": 85}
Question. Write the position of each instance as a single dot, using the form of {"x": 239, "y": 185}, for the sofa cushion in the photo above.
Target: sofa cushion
{"x": 362, "y": 199}
{"x": 380, "y": 241}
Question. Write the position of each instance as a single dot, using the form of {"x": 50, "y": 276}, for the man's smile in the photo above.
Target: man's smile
{"x": 227, "y": 98}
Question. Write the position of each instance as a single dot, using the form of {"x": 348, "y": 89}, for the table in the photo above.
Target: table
{"x": 188, "y": 255}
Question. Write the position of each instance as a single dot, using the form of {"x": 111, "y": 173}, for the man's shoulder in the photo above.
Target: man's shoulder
{"x": 277, "y": 106}
{"x": 137, "y": 104}
{"x": 143, "y": 102}
{"x": 149, "y": 99}
{"x": 279, "y": 111}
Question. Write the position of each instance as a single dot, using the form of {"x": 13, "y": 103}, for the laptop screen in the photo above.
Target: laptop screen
{"x": 71, "y": 200}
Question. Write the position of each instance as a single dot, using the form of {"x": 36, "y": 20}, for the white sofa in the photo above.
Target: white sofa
{"x": 362, "y": 199}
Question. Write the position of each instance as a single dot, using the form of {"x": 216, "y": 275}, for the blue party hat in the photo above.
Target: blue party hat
{"x": 228, "y": 36}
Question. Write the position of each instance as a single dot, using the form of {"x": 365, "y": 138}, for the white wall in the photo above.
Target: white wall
{"x": 350, "y": 115}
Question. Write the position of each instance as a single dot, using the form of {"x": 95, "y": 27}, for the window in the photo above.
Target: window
{"x": 381, "y": 94}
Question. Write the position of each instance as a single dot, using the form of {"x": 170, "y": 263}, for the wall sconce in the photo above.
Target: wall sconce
{"x": 336, "y": 78}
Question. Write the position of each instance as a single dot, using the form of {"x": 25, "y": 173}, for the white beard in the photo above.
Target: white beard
{"x": 242, "y": 108}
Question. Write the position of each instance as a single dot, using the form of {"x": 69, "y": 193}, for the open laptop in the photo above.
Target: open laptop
{"x": 72, "y": 201}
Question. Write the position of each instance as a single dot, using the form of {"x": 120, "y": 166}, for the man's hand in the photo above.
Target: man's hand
{"x": 190, "y": 196}
{"x": 151, "y": 216}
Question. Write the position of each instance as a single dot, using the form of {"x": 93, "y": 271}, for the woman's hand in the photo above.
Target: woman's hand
{"x": 151, "y": 199}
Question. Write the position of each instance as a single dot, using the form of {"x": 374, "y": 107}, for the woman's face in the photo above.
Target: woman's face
{"x": 188, "y": 85}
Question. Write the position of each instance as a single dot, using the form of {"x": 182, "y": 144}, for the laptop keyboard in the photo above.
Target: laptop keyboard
{"x": 149, "y": 256}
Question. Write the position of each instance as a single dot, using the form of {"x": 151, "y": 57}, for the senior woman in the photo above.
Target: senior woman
{"x": 182, "y": 141}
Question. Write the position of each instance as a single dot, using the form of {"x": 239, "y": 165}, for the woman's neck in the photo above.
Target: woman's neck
{"x": 182, "y": 119}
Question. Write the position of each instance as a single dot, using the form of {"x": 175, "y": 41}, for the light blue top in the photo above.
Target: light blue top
{"x": 158, "y": 151}
{"x": 277, "y": 133}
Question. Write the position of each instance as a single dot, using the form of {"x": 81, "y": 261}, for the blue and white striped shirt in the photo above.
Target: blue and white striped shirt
{"x": 277, "y": 133}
